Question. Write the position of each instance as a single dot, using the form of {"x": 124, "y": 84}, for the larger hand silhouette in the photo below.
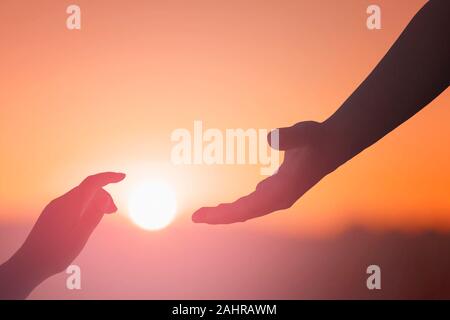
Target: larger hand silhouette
{"x": 58, "y": 236}
{"x": 414, "y": 72}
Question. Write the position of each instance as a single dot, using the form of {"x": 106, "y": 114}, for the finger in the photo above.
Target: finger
{"x": 97, "y": 181}
{"x": 93, "y": 183}
{"x": 277, "y": 192}
{"x": 296, "y": 136}
{"x": 77, "y": 200}
{"x": 100, "y": 204}
{"x": 268, "y": 197}
{"x": 103, "y": 202}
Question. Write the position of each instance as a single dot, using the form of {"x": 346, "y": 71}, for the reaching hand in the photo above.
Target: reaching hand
{"x": 413, "y": 72}
{"x": 59, "y": 235}
{"x": 307, "y": 160}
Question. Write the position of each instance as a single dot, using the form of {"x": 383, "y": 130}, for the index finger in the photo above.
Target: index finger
{"x": 98, "y": 181}
{"x": 265, "y": 199}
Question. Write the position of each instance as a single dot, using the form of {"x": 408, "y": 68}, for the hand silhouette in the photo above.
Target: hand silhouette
{"x": 307, "y": 160}
{"x": 414, "y": 71}
{"x": 59, "y": 235}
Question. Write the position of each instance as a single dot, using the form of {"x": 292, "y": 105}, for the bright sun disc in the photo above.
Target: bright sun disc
{"x": 152, "y": 206}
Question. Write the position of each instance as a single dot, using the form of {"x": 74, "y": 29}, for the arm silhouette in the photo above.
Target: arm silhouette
{"x": 58, "y": 236}
{"x": 413, "y": 72}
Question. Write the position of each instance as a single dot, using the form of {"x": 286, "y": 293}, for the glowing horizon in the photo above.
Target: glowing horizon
{"x": 83, "y": 102}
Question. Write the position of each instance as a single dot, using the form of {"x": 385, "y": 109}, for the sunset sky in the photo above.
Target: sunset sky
{"x": 108, "y": 96}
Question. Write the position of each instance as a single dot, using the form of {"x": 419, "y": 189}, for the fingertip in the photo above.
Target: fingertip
{"x": 110, "y": 208}
{"x": 199, "y": 216}
{"x": 99, "y": 180}
{"x": 116, "y": 177}
{"x": 121, "y": 175}
{"x": 104, "y": 202}
{"x": 214, "y": 215}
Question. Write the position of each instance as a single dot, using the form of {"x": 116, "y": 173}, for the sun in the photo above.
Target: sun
{"x": 152, "y": 205}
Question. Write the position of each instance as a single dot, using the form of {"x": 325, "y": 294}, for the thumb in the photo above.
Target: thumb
{"x": 101, "y": 203}
{"x": 298, "y": 135}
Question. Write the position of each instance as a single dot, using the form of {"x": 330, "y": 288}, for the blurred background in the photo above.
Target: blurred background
{"x": 107, "y": 97}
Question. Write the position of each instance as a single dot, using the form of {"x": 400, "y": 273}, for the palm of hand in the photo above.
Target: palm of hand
{"x": 306, "y": 162}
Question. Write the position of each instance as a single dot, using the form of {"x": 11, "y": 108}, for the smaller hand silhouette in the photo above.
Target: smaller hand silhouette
{"x": 308, "y": 158}
{"x": 59, "y": 235}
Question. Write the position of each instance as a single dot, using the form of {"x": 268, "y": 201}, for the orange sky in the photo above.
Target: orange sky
{"x": 107, "y": 98}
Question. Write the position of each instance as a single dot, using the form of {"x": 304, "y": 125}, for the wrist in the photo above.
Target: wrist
{"x": 18, "y": 277}
{"x": 336, "y": 143}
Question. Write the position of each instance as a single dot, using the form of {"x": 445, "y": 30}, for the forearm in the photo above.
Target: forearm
{"x": 17, "y": 278}
{"x": 413, "y": 72}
